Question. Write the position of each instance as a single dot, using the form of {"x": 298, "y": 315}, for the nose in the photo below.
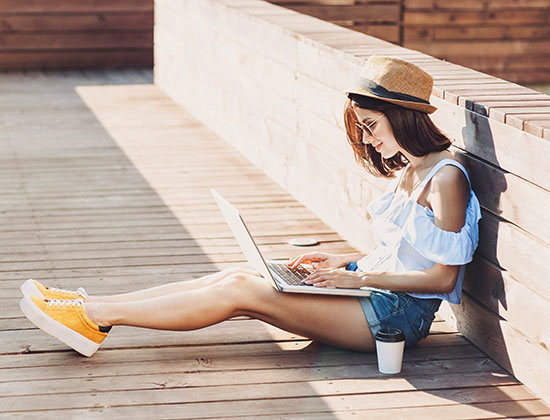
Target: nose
{"x": 366, "y": 138}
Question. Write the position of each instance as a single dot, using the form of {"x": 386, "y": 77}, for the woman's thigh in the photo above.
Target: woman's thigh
{"x": 335, "y": 320}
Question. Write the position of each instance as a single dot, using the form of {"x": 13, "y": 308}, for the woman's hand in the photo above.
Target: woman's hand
{"x": 336, "y": 278}
{"x": 319, "y": 260}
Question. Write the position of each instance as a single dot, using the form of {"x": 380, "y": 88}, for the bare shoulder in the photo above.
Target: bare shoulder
{"x": 448, "y": 197}
{"x": 450, "y": 180}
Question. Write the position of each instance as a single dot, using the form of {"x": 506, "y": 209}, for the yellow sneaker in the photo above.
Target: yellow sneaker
{"x": 35, "y": 288}
{"x": 65, "y": 320}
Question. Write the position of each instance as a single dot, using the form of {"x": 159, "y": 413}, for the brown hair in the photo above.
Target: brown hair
{"x": 414, "y": 131}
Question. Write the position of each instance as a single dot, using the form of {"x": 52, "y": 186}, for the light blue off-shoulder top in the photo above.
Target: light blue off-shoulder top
{"x": 407, "y": 238}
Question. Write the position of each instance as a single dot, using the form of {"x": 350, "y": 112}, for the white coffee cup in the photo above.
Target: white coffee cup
{"x": 390, "y": 344}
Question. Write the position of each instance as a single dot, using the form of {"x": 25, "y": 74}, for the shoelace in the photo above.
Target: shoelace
{"x": 62, "y": 303}
{"x": 80, "y": 292}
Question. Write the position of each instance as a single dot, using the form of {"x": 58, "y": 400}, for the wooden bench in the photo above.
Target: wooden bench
{"x": 269, "y": 81}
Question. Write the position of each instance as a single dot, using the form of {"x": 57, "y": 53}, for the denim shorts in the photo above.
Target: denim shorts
{"x": 412, "y": 315}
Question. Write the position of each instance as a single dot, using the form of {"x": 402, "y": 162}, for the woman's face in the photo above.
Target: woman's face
{"x": 383, "y": 140}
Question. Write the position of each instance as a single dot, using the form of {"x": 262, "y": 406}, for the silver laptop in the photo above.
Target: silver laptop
{"x": 282, "y": 277}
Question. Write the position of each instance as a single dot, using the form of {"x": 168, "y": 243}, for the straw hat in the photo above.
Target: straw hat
{"x": 397, "y": 81}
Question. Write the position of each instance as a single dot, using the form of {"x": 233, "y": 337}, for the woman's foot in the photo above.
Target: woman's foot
{"x": 65, "y": 320}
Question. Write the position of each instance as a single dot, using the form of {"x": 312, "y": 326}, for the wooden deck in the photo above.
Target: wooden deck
{"x": 105, "y": 184}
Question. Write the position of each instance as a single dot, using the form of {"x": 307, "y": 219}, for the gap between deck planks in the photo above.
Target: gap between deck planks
{"x": 101, "y": 193}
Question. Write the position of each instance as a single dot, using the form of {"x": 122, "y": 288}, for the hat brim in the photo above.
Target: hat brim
{"x": 416, "y": 106}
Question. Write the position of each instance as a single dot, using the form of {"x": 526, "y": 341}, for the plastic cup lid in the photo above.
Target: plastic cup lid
{"x": 390, "y": 335}
{"x": 303, "y": 241}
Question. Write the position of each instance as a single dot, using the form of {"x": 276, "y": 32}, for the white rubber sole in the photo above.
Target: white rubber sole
{"x": 49, "y": 325}
{"x": 29, "y": 289}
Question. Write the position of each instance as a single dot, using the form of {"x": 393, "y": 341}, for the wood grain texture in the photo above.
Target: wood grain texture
{"x": 60, "y": 34}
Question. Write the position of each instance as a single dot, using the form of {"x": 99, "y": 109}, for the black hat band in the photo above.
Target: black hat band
{"x": 382, "y": 92}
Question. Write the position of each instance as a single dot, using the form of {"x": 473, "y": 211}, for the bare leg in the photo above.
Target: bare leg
{"x": 171, "y": 288}
{"x": 335, "y": 320}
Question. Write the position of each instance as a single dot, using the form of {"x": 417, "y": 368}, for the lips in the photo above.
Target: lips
{"x": 378, "y": 146}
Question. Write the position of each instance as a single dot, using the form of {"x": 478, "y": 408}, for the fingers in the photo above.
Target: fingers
{"x": 320, "y": 276}
{"x": 306, "y": 258}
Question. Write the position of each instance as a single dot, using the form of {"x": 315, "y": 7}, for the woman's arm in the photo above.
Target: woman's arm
{"x": 437, "y": 279}
{"x": 447, "y": 196}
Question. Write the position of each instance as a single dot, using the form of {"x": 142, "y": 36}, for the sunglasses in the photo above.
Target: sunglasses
{"x": 364, "y": 128}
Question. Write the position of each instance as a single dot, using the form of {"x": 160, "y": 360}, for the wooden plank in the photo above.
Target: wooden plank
{"x": 454, "y": 17}
{"x": 508, "y": 196}
{"x": 326, "y": 404}
{"x": 495, "y": 142}
{"x": 506, "y": 62}
{"x": 486, "y": 107}
{"x": 467, "y": 4}
{"x": 57, "y": 6}
{"x": 387, "y": 32}
{"x": 537, "y": 127}
{"x": 203, "y": 367}
{"x": 360, "y": 12}
{"x": 342, "y": 377}
{"x": 483, "y": 32}
{"x": 452, "y": 92}
{"x": 75, "y": 22}
{"x": 523, "y": 357}
{"x": 524, "y": 308}
{"x": 511, "y": 248}
{"x": 447, "y": 49}
{"x": 254, "y": 392}
{"x": 500, "y": 113}
{"x": 71, "y": 59}
{"x": 474, "y": 32}
{"x": 469, "y": 101}
{"x": 82, "y": 40}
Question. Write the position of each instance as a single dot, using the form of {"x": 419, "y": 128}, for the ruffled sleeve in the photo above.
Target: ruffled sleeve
{"x": 442, "y": 246}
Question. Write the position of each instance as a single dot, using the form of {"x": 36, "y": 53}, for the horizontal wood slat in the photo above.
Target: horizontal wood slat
{"x": 63, "y": 34}
{"x": 76, "y": 59}
{"x": 64, "y": 6}
{"x": 75, "y": 22}
{"x": 357, "y": 12}
{"x": 493, "y": 37}
{"x": 81, "y": 40}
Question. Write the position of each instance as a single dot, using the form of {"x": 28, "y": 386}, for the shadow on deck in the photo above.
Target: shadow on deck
{"x": 105, "y": 184}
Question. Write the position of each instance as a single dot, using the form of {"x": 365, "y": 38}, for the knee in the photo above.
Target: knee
{"x": 243, "y": 285}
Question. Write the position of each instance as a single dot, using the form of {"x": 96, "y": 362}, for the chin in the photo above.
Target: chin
{"x": 388, "y": 155}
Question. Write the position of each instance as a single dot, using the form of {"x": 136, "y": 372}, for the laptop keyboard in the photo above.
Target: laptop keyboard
{"x": 293, "y": 276}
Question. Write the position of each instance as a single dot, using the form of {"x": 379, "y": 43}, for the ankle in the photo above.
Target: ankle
{"x": 93, "y": 312}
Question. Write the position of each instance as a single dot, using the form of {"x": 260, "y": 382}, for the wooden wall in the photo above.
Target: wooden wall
{"x": 509, "y": 39}
{"x": 75, "y": 34}
{"x": 269, "y": 81}
{"x": 379, "y": 18}
{"x": 506, "y": 38}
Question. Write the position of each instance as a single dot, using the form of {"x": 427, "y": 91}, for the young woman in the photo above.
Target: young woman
{"x": 425, "y": 227}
